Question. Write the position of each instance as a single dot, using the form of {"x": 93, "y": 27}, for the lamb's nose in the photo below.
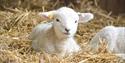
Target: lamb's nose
{"x": 67, "y": 30}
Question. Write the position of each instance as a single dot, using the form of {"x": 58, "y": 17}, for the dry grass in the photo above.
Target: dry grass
{"x": 16, "y": 25}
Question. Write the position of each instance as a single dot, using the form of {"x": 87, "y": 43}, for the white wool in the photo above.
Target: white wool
{"x": 53, "y": 37}
{"x": 115, "y": 38}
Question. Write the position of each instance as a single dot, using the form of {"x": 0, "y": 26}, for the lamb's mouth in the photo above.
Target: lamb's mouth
{"x": 67, "y": 33}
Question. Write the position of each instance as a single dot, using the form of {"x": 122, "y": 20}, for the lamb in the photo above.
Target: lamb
{"x": 57, "y": 36}
{"x": 115, "y": 38}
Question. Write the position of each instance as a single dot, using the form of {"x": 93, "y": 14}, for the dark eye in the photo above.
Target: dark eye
{"x": 76, "y": 21}
{"x": 57, "y": 20}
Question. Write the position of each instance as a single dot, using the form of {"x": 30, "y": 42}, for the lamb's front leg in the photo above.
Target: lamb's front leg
{"x": 67, "y": 47}
{"x": 60, "y": 50}
{"x": 72, "y": 47}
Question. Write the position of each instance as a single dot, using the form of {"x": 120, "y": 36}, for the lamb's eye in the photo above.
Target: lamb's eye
{"x": 57, "y": 20}
{"x": 76, "y": 21}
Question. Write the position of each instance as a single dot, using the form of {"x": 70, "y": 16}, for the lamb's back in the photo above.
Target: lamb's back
{"x": 40, "y": 30}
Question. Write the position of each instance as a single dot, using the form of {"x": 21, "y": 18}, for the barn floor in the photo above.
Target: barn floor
{"x": 15, "y": 47}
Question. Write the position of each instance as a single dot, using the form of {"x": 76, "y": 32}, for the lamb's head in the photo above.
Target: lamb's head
{"x": 65, "y": 20}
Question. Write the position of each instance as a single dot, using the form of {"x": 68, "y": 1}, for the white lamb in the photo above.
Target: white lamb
{"x": 57, "y": 37}
{"x": 115, "y": 38}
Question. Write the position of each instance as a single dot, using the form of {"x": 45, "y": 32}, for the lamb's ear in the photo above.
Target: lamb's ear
{"x": 47, "y": 15}
{"x": 85, "y": 17}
